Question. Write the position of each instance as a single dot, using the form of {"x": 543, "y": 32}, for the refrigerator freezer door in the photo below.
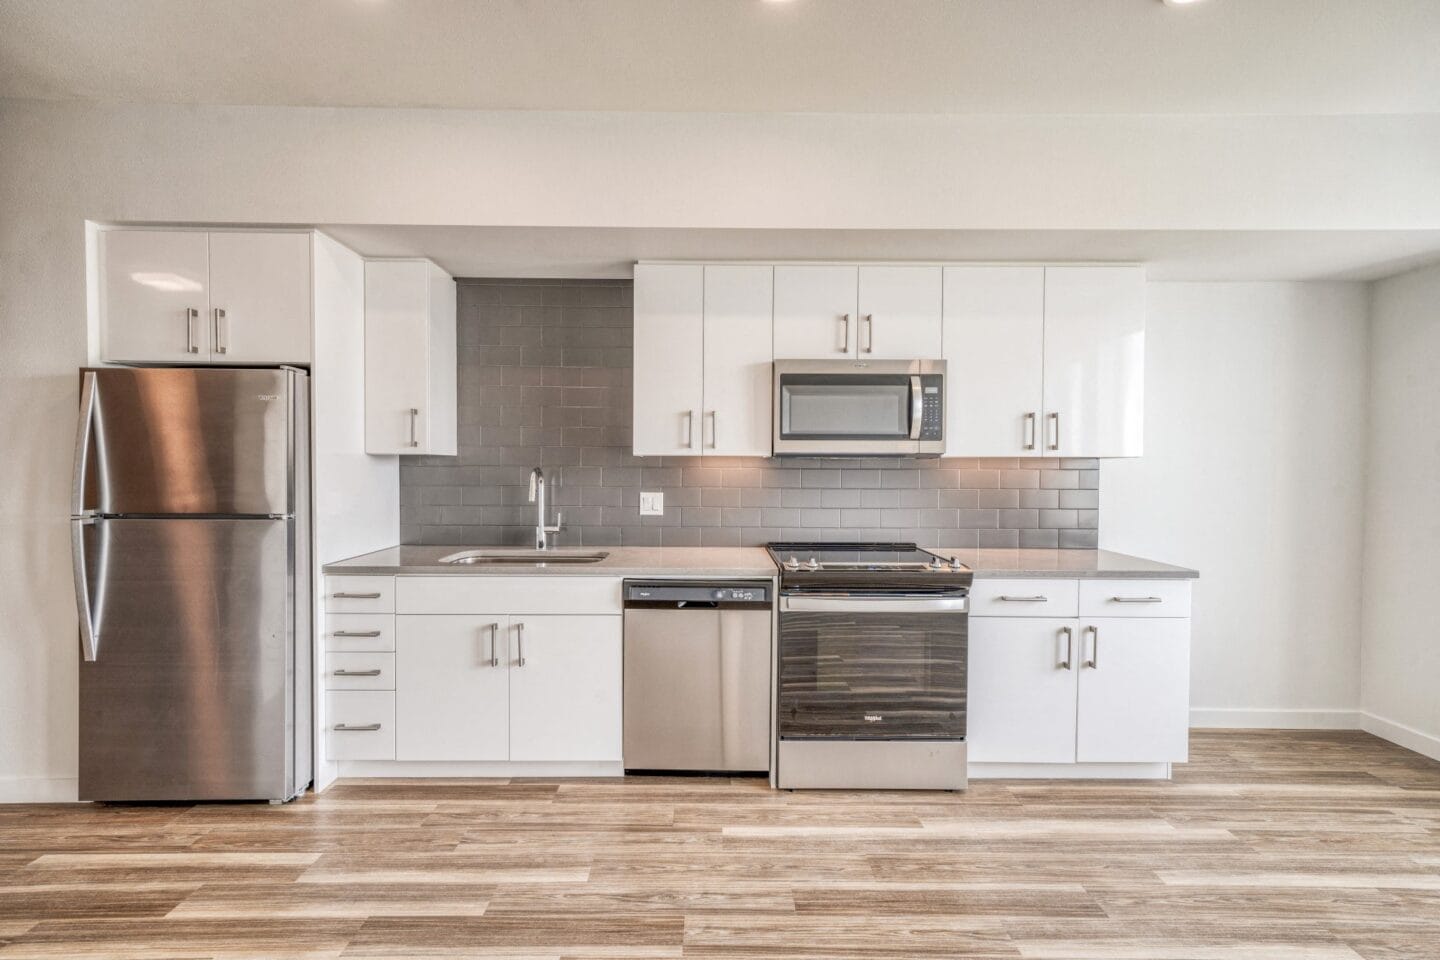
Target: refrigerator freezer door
{"x": 177, "y": 441}
{"x": 190, "y": 695}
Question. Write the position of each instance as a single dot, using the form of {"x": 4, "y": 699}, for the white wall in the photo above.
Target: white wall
{"x": 1400, "y": 675}
{"x": 1253, "y": 474}
{"x": 62, "y": 163}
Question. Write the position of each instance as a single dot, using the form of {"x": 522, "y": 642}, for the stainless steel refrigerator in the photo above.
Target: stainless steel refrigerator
{"x": 190, "y": 536}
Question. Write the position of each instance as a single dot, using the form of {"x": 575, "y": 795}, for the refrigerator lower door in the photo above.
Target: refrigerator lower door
{"x": 191, "y": 695}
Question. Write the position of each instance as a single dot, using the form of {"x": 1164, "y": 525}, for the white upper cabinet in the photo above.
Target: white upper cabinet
{"x": 410, "y": 374}
{"x": 155, "y": 296}
{"x": 737, "y": 384}
{"x": 260, "y": 297}
{"x": 669, "y": 359}
{"x": 188, "y": 296}
{"x": 815, "y": 312}
{"x": 899, "y": 313}
{"x": 994, "y": 336}
{"x": 1094, "y": 361}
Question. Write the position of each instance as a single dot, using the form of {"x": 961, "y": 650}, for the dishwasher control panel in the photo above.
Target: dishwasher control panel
{"x": 678, "y": 592}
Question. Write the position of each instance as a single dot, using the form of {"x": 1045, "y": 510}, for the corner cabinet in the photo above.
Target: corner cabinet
{"x": 205, "y": 297}
{"x": 1045, "y": 361}
{"x": 702, "y": 360}
{"x": 410, "y": 359}
{"x": 1079, "y": 678}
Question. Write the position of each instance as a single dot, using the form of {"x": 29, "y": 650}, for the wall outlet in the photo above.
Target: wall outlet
{"x": 652, "y": 504}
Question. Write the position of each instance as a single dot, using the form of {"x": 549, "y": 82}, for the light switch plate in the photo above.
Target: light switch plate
{"x": 652, "y": 504}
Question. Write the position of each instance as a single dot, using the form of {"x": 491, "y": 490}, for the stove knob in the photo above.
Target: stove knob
{"x": 792, "y": 564}
{"x": 937, "y": 564}
{"x": 812, "y": 564}
{"x": 955, "y": 564}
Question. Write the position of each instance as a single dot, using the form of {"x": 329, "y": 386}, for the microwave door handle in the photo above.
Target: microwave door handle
{"x": 917, "y": 407}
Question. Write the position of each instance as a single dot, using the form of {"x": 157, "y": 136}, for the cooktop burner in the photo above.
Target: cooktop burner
{"x": 859, "y": 558}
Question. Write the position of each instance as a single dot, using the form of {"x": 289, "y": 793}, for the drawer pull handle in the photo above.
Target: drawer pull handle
{"x": 357, "y": 728}
{"x": 356, "y": 633}
{"x": 358, "y": 673}
{"x": 356, "y": 596}
{"x": 1138, "y": 599}
{"x": 1024, "y": 599}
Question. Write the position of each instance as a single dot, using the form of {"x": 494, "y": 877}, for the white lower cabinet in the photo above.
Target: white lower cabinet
{"x": 452, "y": 698}
{"x": 565, "y": 683}
{"x": 1088, "y": 690}
{"x": 360, "y": 725}
{"x": 1022, "y": 696}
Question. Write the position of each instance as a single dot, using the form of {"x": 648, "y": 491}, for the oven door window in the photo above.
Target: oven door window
{"x": 872, "y": 676}
{"x": 858, "y": 407}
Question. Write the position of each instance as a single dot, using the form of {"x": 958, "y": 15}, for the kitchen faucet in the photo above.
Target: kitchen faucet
{"x": 537, "y": 497}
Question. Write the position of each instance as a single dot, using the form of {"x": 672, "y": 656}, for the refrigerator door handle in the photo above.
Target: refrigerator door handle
{"x": 89, "y": 636}
{"x": 83, "y": 433}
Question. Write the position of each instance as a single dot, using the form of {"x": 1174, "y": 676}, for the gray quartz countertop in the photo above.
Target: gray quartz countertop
{"x": 998, "y": 564}
{"x": 622, "y": 562}
{"x": 740, "y": 562}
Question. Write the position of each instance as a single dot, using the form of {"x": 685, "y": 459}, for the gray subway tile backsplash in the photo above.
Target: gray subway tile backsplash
{"x": 544, "y": 380}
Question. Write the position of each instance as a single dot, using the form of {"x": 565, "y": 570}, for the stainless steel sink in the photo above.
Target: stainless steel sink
{"x": 525, "y": 556}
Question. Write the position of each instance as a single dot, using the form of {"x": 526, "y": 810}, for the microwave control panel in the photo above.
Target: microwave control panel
{"x": 932, "y": 407}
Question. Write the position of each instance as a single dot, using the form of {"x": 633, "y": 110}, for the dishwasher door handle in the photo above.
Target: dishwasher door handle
{"x": 845, "y": 603}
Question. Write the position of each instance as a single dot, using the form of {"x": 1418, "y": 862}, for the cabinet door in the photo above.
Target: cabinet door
{"x": 155, "y": 296}
{"x": 1134, "y": 690}
{"x": 738, "y": 351}
{"x": 452, "y": 687}
{"x": 1022, "y": 694}
{"x": 1094, "y": 361}
{"x": 815, "y": 312}
{"x": 397, "y": 357}
{"x": 565, "y": 682}
{"x": 994, "y": 336}
{"x": 260, "y": 296}
{"x": 669, "y": 359}
{"x": 899, "y": 311}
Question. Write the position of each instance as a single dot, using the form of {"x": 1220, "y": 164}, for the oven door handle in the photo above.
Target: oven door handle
{"x": 846, "y": 603}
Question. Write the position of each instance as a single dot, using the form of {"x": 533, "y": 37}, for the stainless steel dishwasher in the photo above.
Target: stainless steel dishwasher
{"x": 697, "y": 675}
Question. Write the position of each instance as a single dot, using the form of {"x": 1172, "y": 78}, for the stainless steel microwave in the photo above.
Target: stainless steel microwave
{"x": 859, "y": 408}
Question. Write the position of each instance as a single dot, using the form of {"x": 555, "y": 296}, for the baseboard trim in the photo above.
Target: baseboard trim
{"x": 39, "y": 789}
{"x": 497, "y": 770}
{"x": 1070, "y": 771}
{"x": 1247, "y": 719}
{"x": 1401, "y": 735}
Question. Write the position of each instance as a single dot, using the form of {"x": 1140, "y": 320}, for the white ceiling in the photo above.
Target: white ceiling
{"x": 884, "y": 56}
{"x": 1169, "y": 255}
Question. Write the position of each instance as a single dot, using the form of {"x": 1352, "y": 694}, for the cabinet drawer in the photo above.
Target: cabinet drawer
{"x": 372, "y": 712}
{"x": 1135, "y": 598}
{"x": 359, "y": 632}
{"x": 1023, "y": 598}
{"x": 515, "y": 595}
{"x": 360, "y": 671}
{"x": 359, "y": 594}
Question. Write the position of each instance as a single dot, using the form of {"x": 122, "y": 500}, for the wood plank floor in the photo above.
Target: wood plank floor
{"x": 1267, "y": 846}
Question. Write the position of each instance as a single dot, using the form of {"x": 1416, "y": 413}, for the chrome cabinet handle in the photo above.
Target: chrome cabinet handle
{"x": 1094, "y": 662}
{"x": 191, "y": 316}
{"x": 357, "y": 728}
{"x": 357, "y": 673}
{"x": 869, "y": 333}
{"x": 1055, "y": 421}
{"x": 222, "y": 332}
{"x": 689, "y": 429}
{"x": 1069, "y": 662}
{"x": 355, "y": 633}
{"x": 414, "y": 415}
{"x": 1029, "y": 431}
{"x": 357, "y": 596}
{"x": 845, "y": 337}
{"x": 1137, "y": 599}
{"x": 917, "y": 407}
{"x": 520, "y": 644}
{"x": 714, "y": 429}
{"x": 494, "y": 629}
{"x": 1035, "y": 599}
